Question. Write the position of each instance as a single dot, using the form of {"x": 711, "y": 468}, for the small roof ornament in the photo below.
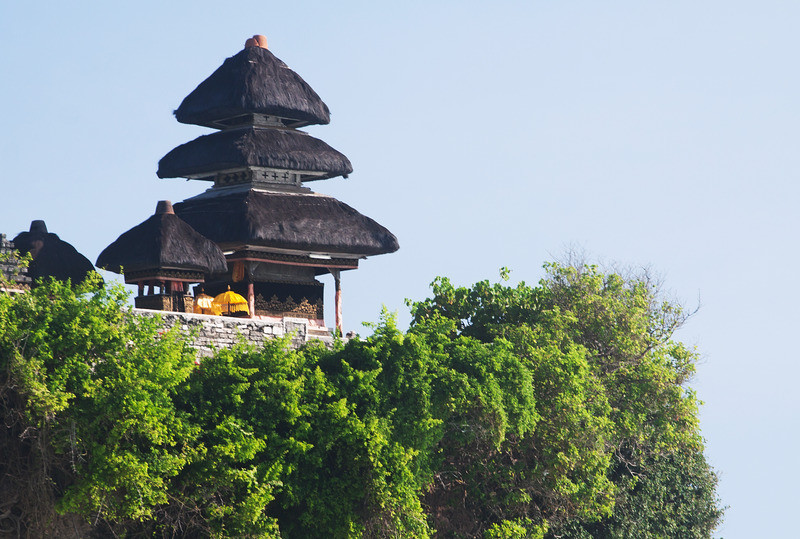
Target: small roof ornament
{"x": 164, "y": 206}
{"x": 38, "y": 226}
{"x": 256, "y": 41}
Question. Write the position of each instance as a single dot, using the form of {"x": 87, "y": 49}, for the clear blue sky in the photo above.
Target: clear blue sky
{"x": 483, "y": 135}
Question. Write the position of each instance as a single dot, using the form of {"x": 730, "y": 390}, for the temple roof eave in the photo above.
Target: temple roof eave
{"x": 242, "y": 148}
{"x": 305, "y": 222}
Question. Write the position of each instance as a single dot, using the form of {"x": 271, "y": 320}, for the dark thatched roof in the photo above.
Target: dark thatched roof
{"x": 253, "y": 81}
{"x": 254, "y": 146}
{"x": 163, "y": 241}
{"x": 307, "y": 222}
{"x": 52, "y": 257}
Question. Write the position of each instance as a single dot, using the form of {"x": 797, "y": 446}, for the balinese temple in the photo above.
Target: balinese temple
{"x": 277, "y": 235}
{"x": 163, "y": 256}
{"x": 51, "y": 256}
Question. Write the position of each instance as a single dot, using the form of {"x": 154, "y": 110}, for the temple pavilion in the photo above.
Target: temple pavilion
{"x": 50, "y": 256}
{"x": 276, "y": 234}
{"x": 163, "y": 256}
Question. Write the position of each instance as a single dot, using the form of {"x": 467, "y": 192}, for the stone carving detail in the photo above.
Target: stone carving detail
{"x": 275, "y": 176}
{"x": 257, "y": 175}
{"x": 289, "y": 307}
{"x": 183, "y": 303}
{"x": 232, "y": 178}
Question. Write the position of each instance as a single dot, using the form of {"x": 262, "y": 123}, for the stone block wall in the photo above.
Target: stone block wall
{"x": 212, "y": 332}
{"x": 15, "y": 279}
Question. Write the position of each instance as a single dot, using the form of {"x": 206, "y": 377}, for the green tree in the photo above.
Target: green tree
{"x": 670, "y": 496}
{"x": 86, "y": 391}
{"x": 610, "y": 383}
{"x": 554, "y": 410}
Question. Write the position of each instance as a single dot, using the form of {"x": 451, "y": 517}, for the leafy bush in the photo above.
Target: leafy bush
{"x": 559, "y": 409}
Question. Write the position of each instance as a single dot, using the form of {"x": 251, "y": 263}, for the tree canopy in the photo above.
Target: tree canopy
{"x": 555, "y": 410}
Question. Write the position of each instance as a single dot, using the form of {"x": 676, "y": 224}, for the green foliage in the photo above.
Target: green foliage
{"x": 503, "y": 412}
{"x": 93, "y": 390}
{"x": 510, "y": 529}
{"x": 609, "y": 386}
{"x": 670, "y": 496}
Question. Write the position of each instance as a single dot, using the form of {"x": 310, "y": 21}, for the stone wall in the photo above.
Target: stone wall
{"x": 14, "y": 280}
{"x": 222, "y": 332}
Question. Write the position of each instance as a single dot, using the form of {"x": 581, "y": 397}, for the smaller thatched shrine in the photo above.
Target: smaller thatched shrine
{"x": 51, "y": 256}
{"x": 163, "y": 256}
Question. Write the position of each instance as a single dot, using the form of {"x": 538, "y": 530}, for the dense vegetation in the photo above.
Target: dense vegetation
{"x": 556, "y": 410}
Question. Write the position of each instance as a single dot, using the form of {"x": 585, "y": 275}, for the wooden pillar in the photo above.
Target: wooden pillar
{"x": 251, "y": 299}
{"x": 337, "y": 299}
{"x": 141, "y": 288}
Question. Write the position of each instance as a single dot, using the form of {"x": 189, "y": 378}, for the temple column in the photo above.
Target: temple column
{"x": 251, "y": 299}
{"x": 337, "y": 299}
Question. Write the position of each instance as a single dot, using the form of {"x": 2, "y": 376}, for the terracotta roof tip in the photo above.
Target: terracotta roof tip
{"x": 256, "y": 41}
{"x": 164, "y": 206}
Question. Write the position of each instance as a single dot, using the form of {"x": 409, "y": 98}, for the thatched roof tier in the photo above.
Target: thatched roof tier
{"x": 164, "y": 275}
{"x": 253, "y": 81}
{"x": 294, "y": 260}
{"x": 254, "y": 146}
{"x": 52, "y": 256}
{"x": 300, "y": 222}
{"x": 162, "y": 242}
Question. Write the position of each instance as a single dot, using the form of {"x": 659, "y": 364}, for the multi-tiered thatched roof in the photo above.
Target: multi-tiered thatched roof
{"x": 277, "y": 234}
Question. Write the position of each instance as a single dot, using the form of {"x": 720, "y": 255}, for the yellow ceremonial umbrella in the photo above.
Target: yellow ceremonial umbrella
{"x": 231, "y": 302}
{"x": 206, "y": 305}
